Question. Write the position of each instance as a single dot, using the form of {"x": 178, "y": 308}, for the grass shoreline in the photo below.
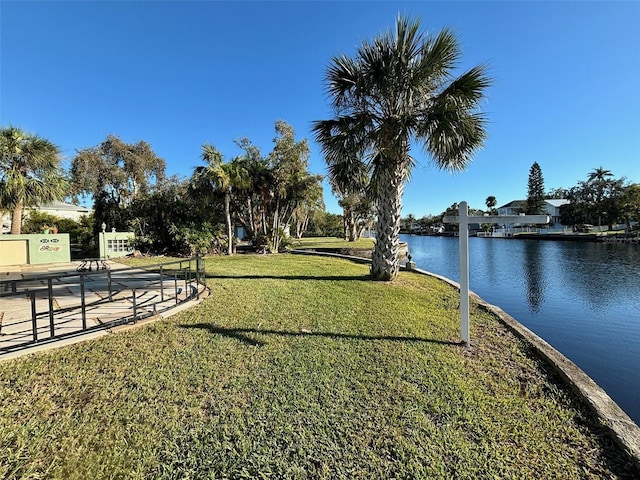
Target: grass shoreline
{"x": 300, "y": 367}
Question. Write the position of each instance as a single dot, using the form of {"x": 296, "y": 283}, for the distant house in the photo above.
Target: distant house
{"x": 63, "y": 210}
{"x": 552, "y": 208}
{"x": 512, "y": 208}
{"x": 57, "y": 208}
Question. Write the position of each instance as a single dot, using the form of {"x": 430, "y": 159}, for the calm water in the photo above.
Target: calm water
{"x": 582, "y": 298}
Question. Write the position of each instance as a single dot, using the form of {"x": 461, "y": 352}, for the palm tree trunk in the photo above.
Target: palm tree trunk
{"x": 385, "y": 262}
{"x": 353, "y": 227}
{"x": 275, "y": 229}
{"x": 252, "y": 221}
{"x": 345, "y": 224}
{"x": 349, "y": 220}
{"x": 227, "y": 212}
{"x": 16, "y": 219}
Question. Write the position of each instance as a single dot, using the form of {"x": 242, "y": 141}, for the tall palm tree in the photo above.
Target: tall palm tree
{"x": 399, "y": 88}
{"x": 30, "y": 173}
{"x": 217, "y": 177}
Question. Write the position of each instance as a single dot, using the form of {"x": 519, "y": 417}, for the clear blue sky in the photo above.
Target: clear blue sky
{"x": 566, "y": 90}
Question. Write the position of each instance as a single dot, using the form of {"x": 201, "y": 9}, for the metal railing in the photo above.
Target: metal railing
{"x": 46, "y": 308}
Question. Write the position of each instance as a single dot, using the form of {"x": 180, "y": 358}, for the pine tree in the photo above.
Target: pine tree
{"x": 535, "y": 191}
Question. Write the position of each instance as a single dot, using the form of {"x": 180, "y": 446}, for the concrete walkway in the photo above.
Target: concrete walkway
{"x": 134, "y": 293}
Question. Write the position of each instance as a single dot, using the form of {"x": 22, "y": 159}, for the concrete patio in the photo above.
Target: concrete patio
{"x": 135, "y": 294}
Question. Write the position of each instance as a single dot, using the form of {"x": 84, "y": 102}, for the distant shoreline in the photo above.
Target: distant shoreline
{"x": 563, "y": 237}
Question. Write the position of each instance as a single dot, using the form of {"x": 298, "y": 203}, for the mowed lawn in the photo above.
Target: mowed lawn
{"x": 300, "y": 367}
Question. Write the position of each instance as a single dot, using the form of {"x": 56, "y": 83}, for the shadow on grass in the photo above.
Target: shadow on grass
{"x": 292, "y": 277}
{"x": 243, "y": 335}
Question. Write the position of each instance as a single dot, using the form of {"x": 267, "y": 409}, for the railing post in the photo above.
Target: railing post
{"x": 135, "y": 309}
{"x": 161, "y": 286}
{"x": 109, "y": 284}
{"x": 175, "y": 281}
{"x": 34, "y": 320}
{"x": 83, "y": 304}
{"x": 50, "y": 295}
{"x": 197, "y": 276}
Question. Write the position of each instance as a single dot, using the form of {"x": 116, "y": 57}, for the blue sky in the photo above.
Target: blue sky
{"x": 566, "y": 90}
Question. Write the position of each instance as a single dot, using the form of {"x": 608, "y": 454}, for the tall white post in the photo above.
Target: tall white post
{"x": 463, "y": 235}
{"x": 463, "y": 219}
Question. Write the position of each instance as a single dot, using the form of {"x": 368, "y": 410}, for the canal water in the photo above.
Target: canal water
{"x": 581, "y": 297}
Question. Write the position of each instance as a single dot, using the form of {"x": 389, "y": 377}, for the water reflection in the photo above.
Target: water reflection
{"x": 490, "y": 264}
{"x": 599, "y": 274}
{"x": 533, "y": 268}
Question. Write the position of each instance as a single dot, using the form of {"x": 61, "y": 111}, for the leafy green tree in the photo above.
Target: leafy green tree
{"x": 594, "y": 200}
{"x": 629, "y": 204}
{"x": 325, "y": 224}
{"x": 599, "y": 179}
{"x": 535, "y": 191}
{"x": 427, "y": 221}
{"x": 30, "y": 173}
{"x": 291, "y": 182}
{"x": 409, "y": 222}
{"x": 115, "y": 173}
{"x": 452, "y": 211}
{"x": 312, "y": 201}
{"x": 398, "y": 89}
{"x": 164, "y": 219}
{"x": 358, "y": 211}
{"x": 557, "y": 193}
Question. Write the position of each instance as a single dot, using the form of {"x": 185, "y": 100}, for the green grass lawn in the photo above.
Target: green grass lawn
{"x": 329, "y": 242}
{"x": 300, "y": 367}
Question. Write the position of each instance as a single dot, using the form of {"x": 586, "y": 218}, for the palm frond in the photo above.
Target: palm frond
{"x": 466, "y": 90}
{"x": 452, "y": 137}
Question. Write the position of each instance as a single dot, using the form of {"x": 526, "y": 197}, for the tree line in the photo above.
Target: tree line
{"x": 266, "y": 194}
{"x": 600, "y": 200}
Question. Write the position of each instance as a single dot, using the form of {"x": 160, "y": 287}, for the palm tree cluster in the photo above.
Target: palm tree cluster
{"x": 396, "y": 90}
{"x": 267, "y": 195}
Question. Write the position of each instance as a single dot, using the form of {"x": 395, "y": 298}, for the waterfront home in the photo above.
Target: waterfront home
{"x": 551, "y": 208}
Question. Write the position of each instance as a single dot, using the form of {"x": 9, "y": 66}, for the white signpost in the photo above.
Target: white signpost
{"x": 464, "y": 220}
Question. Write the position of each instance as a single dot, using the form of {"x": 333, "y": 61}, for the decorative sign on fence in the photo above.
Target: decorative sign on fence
{"x": 464, "y": 219}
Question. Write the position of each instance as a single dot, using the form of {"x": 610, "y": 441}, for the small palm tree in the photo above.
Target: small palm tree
{"x": 398, "y": 89}
{"x": 599, "y": 174}
{"x": 491, "y": 203}
{"x": 30, "y": 173}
